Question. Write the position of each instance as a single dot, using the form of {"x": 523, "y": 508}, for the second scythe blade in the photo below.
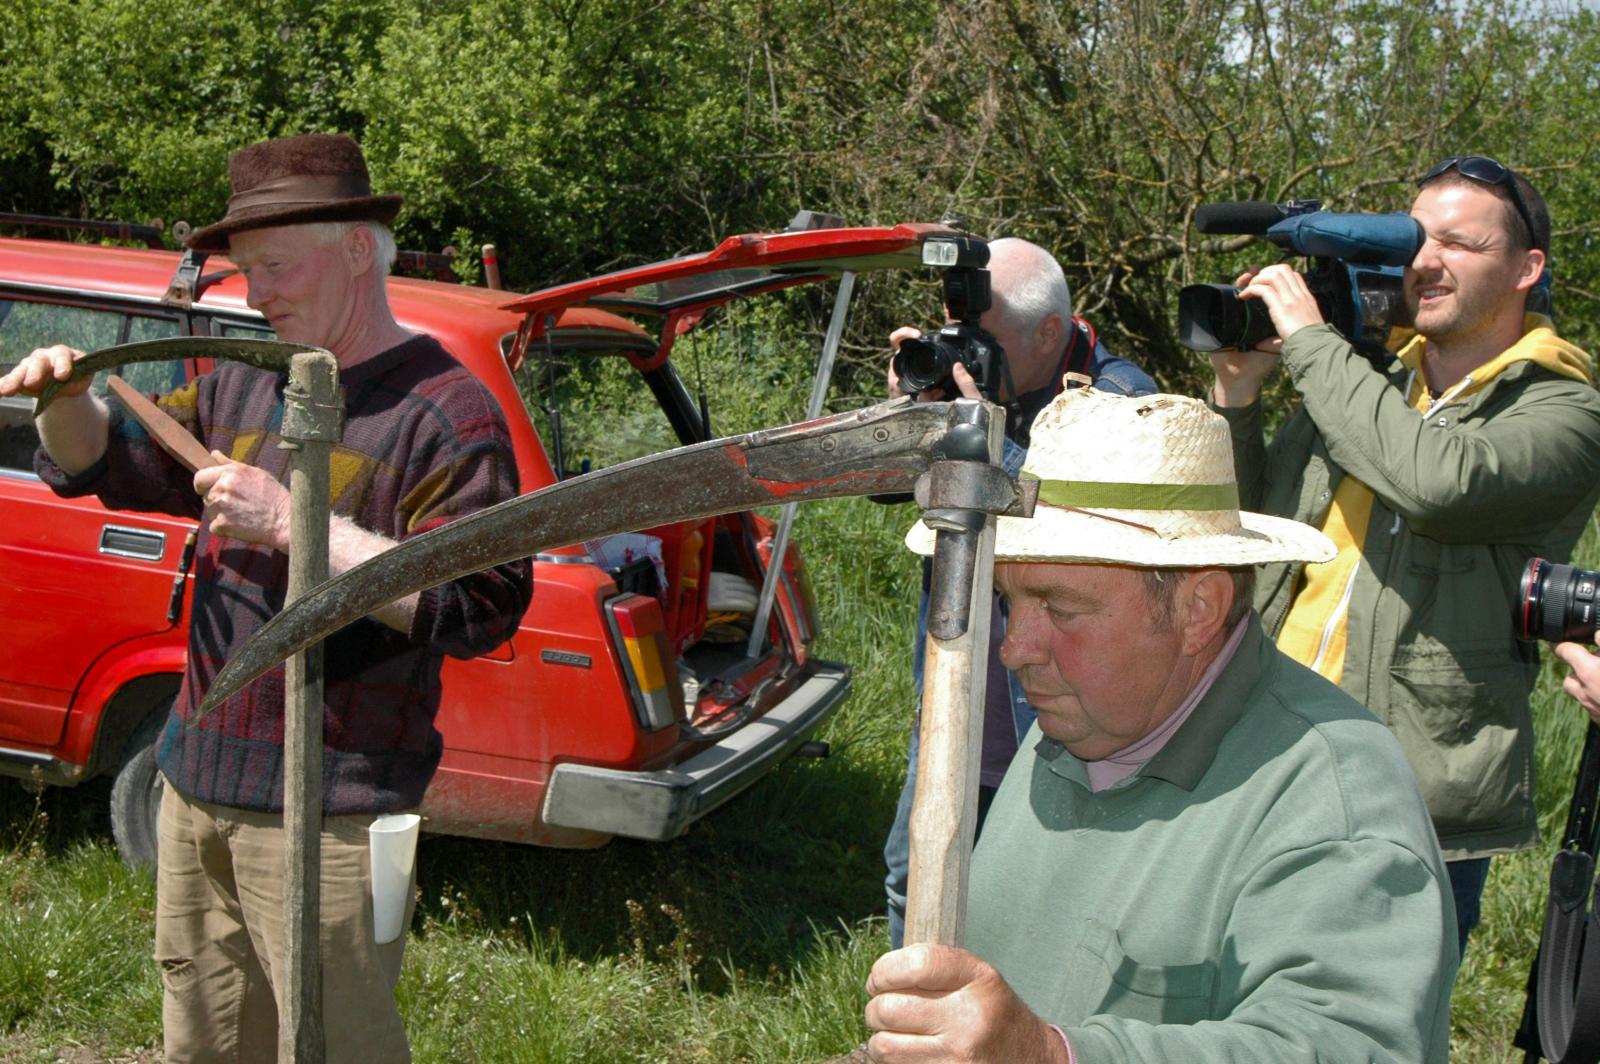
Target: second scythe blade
{"x": 880, "y": 449}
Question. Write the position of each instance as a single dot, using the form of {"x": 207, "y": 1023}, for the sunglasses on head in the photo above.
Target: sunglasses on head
{"x": 1487, "y": 171}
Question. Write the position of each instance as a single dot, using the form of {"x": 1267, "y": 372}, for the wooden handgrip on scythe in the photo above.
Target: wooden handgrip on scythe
{"x": 960, "y": 497}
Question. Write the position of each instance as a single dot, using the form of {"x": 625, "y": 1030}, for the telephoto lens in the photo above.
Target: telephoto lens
{"x": 1212, "y": 316}
{"x": 1557, "y": 603}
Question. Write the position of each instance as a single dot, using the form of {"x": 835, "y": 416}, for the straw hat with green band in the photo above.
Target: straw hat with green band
{"x": 1142, "y": 481}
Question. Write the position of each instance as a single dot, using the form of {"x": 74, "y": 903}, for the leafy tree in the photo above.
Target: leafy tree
{"x": 576, "y": 135}
{"x": 581, "y": 135}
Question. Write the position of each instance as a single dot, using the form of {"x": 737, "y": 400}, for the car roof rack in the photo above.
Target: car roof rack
{"x": 149, "y": 235}
{"x": 186, "y": 283}
{"x": 435, "y": 264}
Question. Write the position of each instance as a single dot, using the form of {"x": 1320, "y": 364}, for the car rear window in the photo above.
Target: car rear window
{"x": 607, "y": 413}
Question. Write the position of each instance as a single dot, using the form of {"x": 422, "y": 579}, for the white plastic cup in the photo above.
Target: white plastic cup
{"x": 392, "y": 843}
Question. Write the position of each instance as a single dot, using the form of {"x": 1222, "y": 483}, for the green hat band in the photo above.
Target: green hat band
{"x": 1098, "y": 494}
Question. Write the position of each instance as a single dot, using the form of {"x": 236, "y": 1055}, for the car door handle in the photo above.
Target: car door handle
{"x": 125, "y": 542}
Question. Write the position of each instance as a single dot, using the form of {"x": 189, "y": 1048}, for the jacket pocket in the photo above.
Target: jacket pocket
{"x": 1462, "y": 720}
{"x": 1144, "y": 989}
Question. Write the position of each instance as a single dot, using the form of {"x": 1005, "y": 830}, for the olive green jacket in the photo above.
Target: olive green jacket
{"x": 1464, "y": 497}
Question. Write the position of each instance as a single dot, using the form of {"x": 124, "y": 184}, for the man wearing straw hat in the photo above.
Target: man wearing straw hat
{"x": 423, "y": 444}
{"x": 1203, "y": 851}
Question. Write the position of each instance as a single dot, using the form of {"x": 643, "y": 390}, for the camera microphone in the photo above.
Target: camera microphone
{"x": 1243, "y": 216}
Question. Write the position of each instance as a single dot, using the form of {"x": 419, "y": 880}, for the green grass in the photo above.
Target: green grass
{"x": 747, "y": 940}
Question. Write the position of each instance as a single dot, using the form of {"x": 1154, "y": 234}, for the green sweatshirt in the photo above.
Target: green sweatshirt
{"x": 1506, "y": 469}
{"x": 1265, "y": 889}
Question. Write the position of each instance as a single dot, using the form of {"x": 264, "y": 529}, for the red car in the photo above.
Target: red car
{"x": 632, "y": 700}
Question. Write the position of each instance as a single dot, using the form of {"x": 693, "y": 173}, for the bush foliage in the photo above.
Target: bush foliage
{"x": 580, "y": 135}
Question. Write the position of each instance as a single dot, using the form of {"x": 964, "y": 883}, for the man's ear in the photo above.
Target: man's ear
{"x": 1205, "y": 607}
{"x": 361, "y": 249}
{"x": 1533, "y": 262}
{"x": 1049, "y": 333}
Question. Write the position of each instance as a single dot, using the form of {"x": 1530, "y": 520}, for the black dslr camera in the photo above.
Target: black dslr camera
{"x": 925, "y": 361}
{"x": 1357, "y": 264}
{"x": 1557, "y": 603}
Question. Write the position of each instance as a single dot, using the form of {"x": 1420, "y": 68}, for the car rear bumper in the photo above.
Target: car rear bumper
{"x": 659, "y": 805}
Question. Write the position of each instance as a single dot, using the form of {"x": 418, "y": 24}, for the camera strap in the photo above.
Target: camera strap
{"x": 1079, "y": 355}
{"x": 1564, "y": 983}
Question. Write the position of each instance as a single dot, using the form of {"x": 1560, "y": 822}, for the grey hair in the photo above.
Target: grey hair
{"x": 1035, "y": 290}
{"x": 385, "y": 249}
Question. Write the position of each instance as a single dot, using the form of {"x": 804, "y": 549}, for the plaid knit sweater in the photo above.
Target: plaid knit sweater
{"x": 424, "y": 442}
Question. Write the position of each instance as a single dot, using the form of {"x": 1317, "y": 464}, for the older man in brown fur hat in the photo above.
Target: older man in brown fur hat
{"x": 424, "y": 443}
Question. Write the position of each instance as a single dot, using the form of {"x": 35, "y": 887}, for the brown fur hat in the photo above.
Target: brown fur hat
{"x": 318, "y": 177}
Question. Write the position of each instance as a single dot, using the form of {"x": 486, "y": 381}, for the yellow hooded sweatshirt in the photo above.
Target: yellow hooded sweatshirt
{"x": 1314, "y": 631}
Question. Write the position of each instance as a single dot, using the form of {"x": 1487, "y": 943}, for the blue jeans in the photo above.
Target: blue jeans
{"x": 1466, "y": 884}
{"x": 897, "y": 848}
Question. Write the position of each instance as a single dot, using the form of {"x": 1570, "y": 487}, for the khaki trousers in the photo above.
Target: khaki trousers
{"x": 219, "y": 938}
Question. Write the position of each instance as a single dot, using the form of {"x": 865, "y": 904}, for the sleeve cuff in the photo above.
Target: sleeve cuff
{"x": 1243, "y": 421}
{"x": 70, "y": 485}
{"x": 1071, "y": 1057}
{"x": 1310, "y": 344}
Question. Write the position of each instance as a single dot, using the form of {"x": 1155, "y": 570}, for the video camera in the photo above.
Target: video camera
{"x": 1357, "y": 264}
{"x": 925, "y": 361}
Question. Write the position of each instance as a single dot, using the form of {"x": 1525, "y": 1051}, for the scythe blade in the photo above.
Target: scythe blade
{"x": 880, "y": 449}
{"x": 273, "y": 355}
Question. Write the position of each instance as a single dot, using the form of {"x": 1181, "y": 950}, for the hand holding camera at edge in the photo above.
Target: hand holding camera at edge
{"x": 958, "y": 372}
{"x": 1292, "y": 307}
{"x": 1583, "y": 684}
{"x": 74, "y": 428}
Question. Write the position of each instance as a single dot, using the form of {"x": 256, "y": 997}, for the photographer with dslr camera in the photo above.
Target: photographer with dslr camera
{"x": 1438, "y": 477}
{"x": 1030, "y": 319}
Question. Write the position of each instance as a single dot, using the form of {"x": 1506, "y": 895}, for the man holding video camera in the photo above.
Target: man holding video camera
{"x": 1031, "y": 320}
{"x": 1437, "y": 477}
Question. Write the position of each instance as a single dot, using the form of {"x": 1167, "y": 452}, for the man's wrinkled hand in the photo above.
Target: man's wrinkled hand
{"x": 939, "y": 1003}
{"x": 40, "y": 367}
{"x": 244, "y": 503}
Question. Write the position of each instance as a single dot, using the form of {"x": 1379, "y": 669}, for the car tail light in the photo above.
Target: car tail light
{"x": 797, "y": 585}
{"x": 648, "y": 663}
{"x": 794, "y": 602}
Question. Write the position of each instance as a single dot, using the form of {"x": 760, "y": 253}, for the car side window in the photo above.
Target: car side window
{"x": 26, "y": 325}
{"x": 249, "y": 332}
{"x": 150, "y": 377}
